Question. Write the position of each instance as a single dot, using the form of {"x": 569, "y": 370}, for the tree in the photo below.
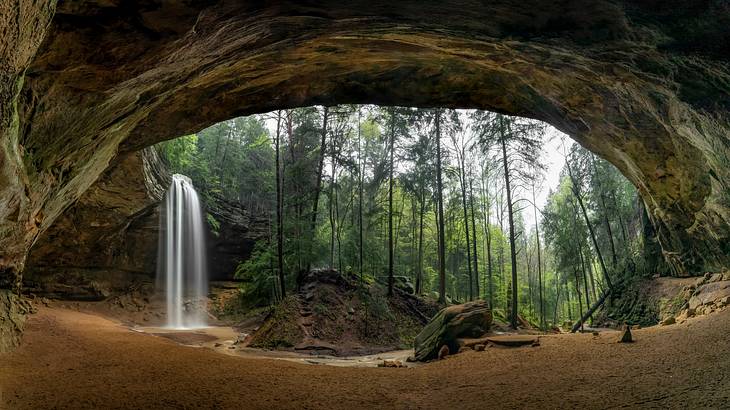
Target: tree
{"x": 520, "y": 142}
{"x": 322, "y": 151}
{"x": 279, "y": 211}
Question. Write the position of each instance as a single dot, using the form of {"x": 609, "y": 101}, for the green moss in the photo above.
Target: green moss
{"x": 282, "y": 328}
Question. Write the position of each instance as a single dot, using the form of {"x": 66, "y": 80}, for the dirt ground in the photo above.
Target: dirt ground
{"x": 75, "y": 360}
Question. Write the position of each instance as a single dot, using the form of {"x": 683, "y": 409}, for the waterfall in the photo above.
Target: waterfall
{"x": 181, "y": 261}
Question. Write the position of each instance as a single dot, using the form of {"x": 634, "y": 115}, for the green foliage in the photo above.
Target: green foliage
{"x": 215, "y": 226}
{"x": 258, "y": 281}
{"x": 234, "y": 160}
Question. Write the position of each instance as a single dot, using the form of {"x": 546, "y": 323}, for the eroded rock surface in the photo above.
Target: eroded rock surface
{"x": 471, "y": 319}
{"x": 646, "y": 85}
{"x": 107, "y": 241}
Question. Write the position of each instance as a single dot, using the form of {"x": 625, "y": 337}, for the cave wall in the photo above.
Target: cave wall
{"x": 107, "y": 242}
{"x": 645, "y": 85}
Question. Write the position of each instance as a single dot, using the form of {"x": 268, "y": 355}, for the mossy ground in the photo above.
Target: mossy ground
{"x": 352, "y": 315}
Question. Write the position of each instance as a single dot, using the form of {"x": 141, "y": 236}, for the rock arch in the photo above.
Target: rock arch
{"x": 645, "y": 86}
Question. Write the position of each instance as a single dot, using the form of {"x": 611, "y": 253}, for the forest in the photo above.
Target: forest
{"x": 441, "y": 202}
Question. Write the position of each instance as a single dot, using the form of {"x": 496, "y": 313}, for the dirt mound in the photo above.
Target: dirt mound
{"x": 337, "y": 314}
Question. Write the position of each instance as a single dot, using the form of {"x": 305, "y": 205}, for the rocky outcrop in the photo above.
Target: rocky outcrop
{"x": 643, "y": 84}
{"x": 233, "y": 240}
{"x": 471, "y": 319}
{"x": 13, "y": 310}
{"x": 107, "y": 241}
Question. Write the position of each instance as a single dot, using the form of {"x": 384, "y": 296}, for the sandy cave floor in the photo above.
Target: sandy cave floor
{"x": 75, "y": 360}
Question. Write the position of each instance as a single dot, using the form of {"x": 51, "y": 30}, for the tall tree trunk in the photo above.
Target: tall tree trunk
{"x": 585, "y": 274}
{"x": 391, "y": 279}
{"x": 602, "y": 196}
{"x": 543, "y": 324}
{"x": 279, "y": 210}
{"x": 440, "y": 206}
{"x": 333, "y": 201}
{"x": 510, "y": 216}
{"x": 488, "y": 236}
{"x": 289, "y": 124}
{"x": 419, "y": 278}
{"x": 577, "y": 292}
{"x": 360, "y": 182}
{"x": 557, "y": 299}
{"x": 577, "y": 195}
{"x": 587, "y": 258}
{"x": 567, "y": 299}
{"x": 462, "y": 179}
{"x": 474, "y": 242}
{"x": 320, "y": 167}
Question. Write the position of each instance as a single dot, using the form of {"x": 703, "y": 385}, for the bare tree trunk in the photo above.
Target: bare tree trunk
{"x": 333, "y": 201}
{"x": 589, "y": 312}
{"x": 391, "y": 279}
{"x": 587, "y": 258}
{"x": 557, "y": 299}
{"x": 585, "y": 278}
{"x": 577, "y": 292}
{"x": 466, "y": 225}
{"x": 510, "y": 216}
{"x": 602, "y": 195}
{"x": 543, "y": 323}
{"x": 419, "y": 278}
{"x": 577, "y": 195}
{"x": 279, "y": 210}
{"x": 488, "y": 236}
{"x": 440, "y": 206}
{"x": 474, "y": 242}
{"x": 361, "y": 173}
{"x": 315, "y": 203}
{"x": 567, "y": 299}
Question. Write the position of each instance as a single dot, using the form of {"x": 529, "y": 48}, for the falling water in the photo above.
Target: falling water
{"x": 181, "y": 263}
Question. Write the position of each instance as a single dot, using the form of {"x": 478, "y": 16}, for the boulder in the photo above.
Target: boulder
{"x": 467, "y": 320}
{"x": 709, "y": 294}
{"x": 668, "y": 321}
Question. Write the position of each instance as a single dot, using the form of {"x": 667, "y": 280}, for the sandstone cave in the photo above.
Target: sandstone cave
{"x": 319, "y": 204}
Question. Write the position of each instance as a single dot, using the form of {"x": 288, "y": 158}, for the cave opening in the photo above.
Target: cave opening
{"x": 324, "y": 250}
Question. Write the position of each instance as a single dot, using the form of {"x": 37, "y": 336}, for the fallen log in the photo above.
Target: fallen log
{"x": 590, "y": 311}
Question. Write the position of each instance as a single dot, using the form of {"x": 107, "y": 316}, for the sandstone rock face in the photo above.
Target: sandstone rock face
{"x": 108, "y": 240}
{"x": 13, "y": 311}
{"x": 643, "y": 84}
{"x": 235, "y": 239}
{"x": 709, "y": 294}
